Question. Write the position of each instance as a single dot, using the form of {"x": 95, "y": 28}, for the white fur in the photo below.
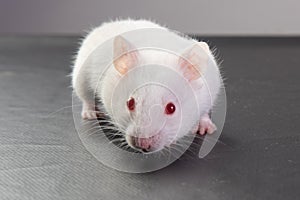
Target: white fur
{"x": 85, "y": 78}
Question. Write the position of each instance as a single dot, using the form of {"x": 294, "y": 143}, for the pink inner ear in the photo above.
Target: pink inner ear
{"x": 194, "y": 61}
{"x": 190, "y": 72}
{"x": 126, "y": 62}
{"x": 125, "y": 55}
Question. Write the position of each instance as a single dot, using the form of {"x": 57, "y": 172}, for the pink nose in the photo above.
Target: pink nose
{"x": 143, "y": 143}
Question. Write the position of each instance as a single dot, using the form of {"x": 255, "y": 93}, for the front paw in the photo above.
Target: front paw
{"x": 89, "y": 112}
{"x": 206, "y": 125}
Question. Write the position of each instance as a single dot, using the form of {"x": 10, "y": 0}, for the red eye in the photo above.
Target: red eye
{"x": 131, "y": 104}
{"x": 170, "y": 108}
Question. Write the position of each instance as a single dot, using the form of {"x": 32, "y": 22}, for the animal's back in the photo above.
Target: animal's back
{"x": 105, "y": 32}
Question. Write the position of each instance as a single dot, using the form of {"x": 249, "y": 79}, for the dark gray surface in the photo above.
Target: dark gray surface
{"x": 257, "y": 157}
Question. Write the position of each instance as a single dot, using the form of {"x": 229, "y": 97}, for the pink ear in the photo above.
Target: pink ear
{"x": 194, "y": 61}
{"x": 125, "y": 57}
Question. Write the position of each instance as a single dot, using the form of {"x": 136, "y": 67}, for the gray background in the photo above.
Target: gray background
{"x": 204, "y": 17}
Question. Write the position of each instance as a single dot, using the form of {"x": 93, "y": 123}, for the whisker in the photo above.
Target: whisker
{"x": 117, "y": 140}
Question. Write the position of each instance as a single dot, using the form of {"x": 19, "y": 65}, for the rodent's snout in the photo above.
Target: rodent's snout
{"x": 144, "y": 144}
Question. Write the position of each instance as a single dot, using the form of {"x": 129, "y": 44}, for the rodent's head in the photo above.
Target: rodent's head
{"x": 153, "y": 112}
{"x": 155, "y": 115}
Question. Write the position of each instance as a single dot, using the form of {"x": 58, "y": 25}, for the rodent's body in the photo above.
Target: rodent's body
{"x": 85, "y": 83}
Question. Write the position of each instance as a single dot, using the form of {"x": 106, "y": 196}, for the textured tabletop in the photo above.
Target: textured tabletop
{"x": 257, "y": 157}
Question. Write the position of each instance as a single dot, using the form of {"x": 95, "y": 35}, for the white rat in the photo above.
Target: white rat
{"x": 132, "y": 109}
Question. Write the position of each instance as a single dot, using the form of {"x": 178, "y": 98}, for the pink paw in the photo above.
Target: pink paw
{"x": 89, "y": 112}
{"x": 206, "y": 125}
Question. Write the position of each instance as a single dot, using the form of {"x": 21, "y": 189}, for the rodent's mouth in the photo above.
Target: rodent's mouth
{"x": 145, "y": 144}
{"x": 138, "y": 143}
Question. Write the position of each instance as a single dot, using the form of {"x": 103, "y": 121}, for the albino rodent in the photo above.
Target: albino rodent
{"x": 135, "y": 110}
